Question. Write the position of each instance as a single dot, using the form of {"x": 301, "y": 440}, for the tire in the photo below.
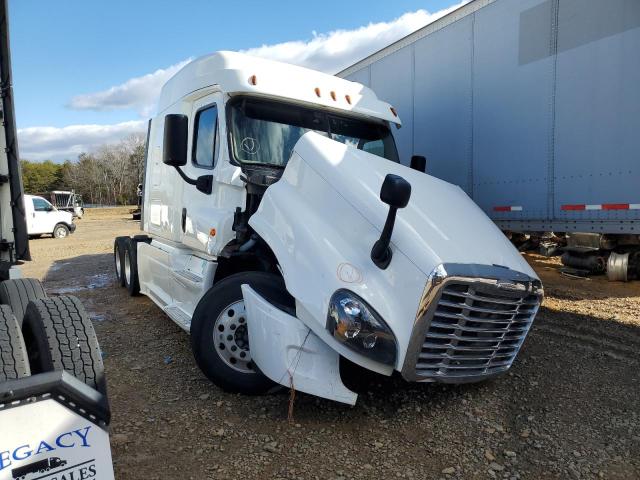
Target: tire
{"x": 59, "y": 336}
{"x": 60, "y": 231}
{"x": 119, "y": 244}
{"x": 14, "y": 362}
{"x": 18, "y": 293}
{"x": 223, "y": 305}
{"x": 130, "y": 267}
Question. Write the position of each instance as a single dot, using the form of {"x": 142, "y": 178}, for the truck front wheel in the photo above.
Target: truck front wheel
{"x": 60, "y": 231}
{"x": 219, "y": 333}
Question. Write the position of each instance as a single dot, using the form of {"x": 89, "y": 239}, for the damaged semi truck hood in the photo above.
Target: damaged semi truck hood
{"x": 323, "y": 216}
{"x": 441, "y": 224}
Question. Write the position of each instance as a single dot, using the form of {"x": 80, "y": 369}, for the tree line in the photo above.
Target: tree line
{"x": 108, "y": 176}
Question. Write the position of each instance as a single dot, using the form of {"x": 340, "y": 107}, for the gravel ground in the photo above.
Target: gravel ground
{"x": 569, "y": 407}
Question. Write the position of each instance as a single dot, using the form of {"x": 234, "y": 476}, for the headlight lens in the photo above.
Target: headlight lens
{"x": 359, "y": 327}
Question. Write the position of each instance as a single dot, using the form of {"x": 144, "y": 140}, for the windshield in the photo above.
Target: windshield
{"x": 265, "y": 132}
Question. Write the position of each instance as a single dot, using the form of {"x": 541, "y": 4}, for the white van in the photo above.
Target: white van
{"x": 44, "y": 218}
{"x": 282, "y": 231}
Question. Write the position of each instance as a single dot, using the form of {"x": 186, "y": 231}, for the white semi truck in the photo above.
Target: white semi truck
{"x": 282, "y": 232}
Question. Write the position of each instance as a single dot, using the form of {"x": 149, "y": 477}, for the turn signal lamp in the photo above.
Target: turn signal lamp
{"x": 253, "y": 80}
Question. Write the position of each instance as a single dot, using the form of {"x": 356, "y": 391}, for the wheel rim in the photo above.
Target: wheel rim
{"x": 231, "y": 338}
{"x": 61, "y": 232}
{"x": 127, "y": 267}
{"x": 117, "y": 255}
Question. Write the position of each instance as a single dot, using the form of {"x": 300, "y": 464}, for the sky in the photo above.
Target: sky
{"x": 87, "y": 73}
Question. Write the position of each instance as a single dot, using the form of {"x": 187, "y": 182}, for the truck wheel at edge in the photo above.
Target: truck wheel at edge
{"x": 17, "y": 293}
{"x": 13, "y": 352}
{"x": 219, "y": 332}
{"x": 59, "y": 336}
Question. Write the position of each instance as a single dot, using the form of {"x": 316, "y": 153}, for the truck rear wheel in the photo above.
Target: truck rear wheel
{"x": 130, "y": 266}
{"x": 219, "y": 338}
{"x": 60, "y": 231}
{"x": 59, "y": 336}
{"x": 119, "y": 245}
{"x": 17, "y": 293}
{"x": 14, "y": 362}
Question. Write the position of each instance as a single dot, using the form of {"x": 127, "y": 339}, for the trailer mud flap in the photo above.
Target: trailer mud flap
{"x": 52, "y": 426}
{"x": 290, "y": 354}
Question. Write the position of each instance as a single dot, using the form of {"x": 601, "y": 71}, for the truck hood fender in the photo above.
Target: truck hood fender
{"x": 323, "y": 216}
{"x": 290, "y": 354}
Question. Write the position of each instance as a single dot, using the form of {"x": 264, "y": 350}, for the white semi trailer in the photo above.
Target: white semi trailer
{"x": 283, "y": 233}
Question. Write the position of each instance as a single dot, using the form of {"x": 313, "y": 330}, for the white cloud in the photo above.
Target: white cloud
{"x": 57, "y": 144}
{"x": 138, "y": 93}
{"x": 329, "y": 52}
{"x": 336, "y": 50}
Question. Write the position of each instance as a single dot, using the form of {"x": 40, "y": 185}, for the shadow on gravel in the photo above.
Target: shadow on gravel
{"x": 85, "y": 272}
{"x": 609, "y": 337}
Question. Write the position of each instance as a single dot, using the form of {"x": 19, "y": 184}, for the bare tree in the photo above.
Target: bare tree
{"x": 111, "y": 174}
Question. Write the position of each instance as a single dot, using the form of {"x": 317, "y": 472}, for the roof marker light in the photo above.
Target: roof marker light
{"x": 317, "y": 90}
{"x": 348, "y": 99}
{"x": 253, "y": 80}
{"x": 333, "y": 96}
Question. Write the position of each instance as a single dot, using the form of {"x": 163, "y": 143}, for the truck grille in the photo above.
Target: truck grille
{"x": 475, "y": 332}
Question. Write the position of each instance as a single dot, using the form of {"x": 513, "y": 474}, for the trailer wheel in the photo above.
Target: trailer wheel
{"x": 60, "y": 231}
{"x": 130, "y": 267}
{"x": 14, "y": 362}
{"x": 119, "y": 245}
{"x": 59, "y": 336}
{"x": 219, "y": 337}
{"x": 17, "y": 293}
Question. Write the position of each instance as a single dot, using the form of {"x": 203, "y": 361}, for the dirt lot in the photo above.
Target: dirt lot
{"x": 569, "y": 408}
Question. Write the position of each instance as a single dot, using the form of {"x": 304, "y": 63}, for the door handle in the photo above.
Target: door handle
{"x": 184, "y": 219}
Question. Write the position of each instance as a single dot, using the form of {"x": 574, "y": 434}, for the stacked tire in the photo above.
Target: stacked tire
{"x": 41, "y": 334}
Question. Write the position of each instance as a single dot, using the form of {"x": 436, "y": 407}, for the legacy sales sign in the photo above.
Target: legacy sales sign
{"x": 47, "y": 441}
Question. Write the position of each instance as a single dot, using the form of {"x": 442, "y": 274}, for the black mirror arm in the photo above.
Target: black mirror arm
{"x": 190, "y": 181}
{"x": 381, "y": 253}
{"x": 204, "y": 183}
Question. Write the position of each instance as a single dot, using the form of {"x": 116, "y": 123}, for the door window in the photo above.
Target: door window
{"x": 205, "y": 136}
{"x": 41, "y": 205}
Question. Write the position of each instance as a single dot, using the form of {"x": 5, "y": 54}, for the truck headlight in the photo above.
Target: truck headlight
{"x": 359, "y": 327}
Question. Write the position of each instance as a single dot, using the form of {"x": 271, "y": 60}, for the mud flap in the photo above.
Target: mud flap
{"x": 290, "y": 354}
{"x": 53, "y": 426}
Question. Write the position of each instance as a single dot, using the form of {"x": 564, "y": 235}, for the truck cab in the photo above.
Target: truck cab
{"x": 44, "y": 218}
{"x": 281, "y": 230}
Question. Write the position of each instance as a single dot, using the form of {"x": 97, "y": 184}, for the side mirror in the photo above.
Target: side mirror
{"x": 395, "y": 192}
{"x": 176, "y": 138}
{"x": 174, "y": 150}
{"x": 418, "y": 162}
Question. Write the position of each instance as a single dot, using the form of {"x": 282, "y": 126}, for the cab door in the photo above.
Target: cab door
{"x": 40, "y": 221}
{"x": 192, "y": 265}
{"x": 200, "y": 210}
